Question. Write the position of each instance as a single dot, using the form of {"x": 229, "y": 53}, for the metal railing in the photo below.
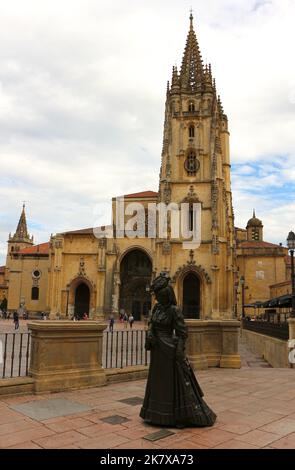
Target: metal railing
{"x": 124, "y": 348}
{"x": 120, "y": 349}
{"x": 276, "y": 330}
{"x": 14, "y": 354}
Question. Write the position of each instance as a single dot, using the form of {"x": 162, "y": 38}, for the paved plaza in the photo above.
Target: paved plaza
{"x": 255, "y": 407}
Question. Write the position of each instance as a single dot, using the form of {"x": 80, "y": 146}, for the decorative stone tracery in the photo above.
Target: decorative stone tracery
{"x": 191, "y": 266}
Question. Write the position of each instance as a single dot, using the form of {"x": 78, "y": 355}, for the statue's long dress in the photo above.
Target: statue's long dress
{"x": 173, "y": 396}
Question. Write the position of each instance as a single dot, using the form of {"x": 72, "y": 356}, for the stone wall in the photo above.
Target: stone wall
{"x": 213, "y": 344}
{"x": 274, "y": 351}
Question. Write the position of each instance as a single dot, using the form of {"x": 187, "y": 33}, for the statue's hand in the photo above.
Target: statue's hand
{"x": 150, "y": 341}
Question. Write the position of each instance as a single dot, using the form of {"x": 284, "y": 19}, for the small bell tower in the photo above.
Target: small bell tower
{"x": 21, "y": 239}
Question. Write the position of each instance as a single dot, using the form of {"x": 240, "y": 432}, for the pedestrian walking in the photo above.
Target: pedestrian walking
{"x": 131, "y": 321}
{"x": 111, "y": 323}
{"x": 16, "y": 320}
{"x": 125, "y": 320}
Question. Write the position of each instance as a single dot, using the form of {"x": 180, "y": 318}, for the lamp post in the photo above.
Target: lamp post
{"x": 291, "y": 246}
{"x": 68, "y": 293}
{"x": 242, "y": 280}
{"x": 147, "y": 313}
{"x": 236, "y": 299}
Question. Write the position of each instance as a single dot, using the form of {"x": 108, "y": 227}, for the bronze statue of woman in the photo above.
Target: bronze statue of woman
{"x": 173, "y": 396}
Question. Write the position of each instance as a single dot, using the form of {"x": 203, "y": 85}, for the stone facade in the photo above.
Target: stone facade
{"x": 262, "y": 264}
{"x": 3, "y": 285}
{"x": 279, "y": 289}
{"x": 26, "y": 271}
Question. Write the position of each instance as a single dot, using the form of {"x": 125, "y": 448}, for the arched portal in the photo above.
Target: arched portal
{"x": 135, "y": 276}
{"x": 191, "y": 296}
{"x": 82, "y": 300}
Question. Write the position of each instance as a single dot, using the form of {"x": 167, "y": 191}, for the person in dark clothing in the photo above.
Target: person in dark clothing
{"x": 111, "y": 323}
{"x": 16, "y": 320}
{"x": 173, "y": 396}
{"x": 131, "y": 320}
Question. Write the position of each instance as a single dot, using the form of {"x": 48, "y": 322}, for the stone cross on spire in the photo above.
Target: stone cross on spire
{"x": 192, "y": 71}
{"x": 191, "y": 18}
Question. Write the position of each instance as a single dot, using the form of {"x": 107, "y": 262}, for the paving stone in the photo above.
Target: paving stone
{"x": 116, "y": 419}
{"x": 46, "y": 409}
{"x": 133, "y": 401}
{"x": 156, "y": 436}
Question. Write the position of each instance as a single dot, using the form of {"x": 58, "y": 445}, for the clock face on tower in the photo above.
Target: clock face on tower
{"x": 192, "y": 164}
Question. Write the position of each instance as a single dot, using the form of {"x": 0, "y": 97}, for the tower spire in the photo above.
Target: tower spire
{"x": 191, "y": 19}
{"x": 191, "y": 73}
{"x": 22, "y": 235}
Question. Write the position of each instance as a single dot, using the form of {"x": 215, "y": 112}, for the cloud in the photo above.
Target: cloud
{"x": 82, "y": 90}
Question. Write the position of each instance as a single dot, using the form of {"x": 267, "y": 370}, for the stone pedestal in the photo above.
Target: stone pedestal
{"x": 291, "y": 322}
{"x": 213, "y": 343}
{"x": 66, "y": 355}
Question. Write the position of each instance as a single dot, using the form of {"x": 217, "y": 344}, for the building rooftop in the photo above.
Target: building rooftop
{"x": 142, "y": 195}
{"x": 83, "y": 231}
{"x": 42, "y": 249}
{"x": 257, "y": 244}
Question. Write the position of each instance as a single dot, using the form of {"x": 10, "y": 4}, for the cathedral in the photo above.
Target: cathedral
{"x": 111, "y": 274}
{"x": 78, "y": 272}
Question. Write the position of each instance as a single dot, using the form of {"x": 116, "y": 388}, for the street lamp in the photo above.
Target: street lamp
{"x": 291, "y": 246}
{"x": 68, "y": 292}
{"x": 236, "y": 299}
{"x": 242, "y": 280}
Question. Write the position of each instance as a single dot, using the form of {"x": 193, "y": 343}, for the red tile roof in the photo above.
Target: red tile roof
{"x": 144, "y": 194}
{"x": 249, "y": 244}
{"x": 42, "y": 249}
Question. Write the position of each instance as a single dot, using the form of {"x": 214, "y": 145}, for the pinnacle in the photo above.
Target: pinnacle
{"x": 192, "y": 69}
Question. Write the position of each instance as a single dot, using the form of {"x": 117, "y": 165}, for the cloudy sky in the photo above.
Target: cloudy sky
{"x": 82, "y": 89}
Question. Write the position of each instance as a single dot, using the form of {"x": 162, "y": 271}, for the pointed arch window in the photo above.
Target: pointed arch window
{"x": 191, "y": 107}
{"x": 191, "y": 131}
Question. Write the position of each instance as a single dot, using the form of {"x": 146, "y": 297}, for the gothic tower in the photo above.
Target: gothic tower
{"x": 196, "y": 168}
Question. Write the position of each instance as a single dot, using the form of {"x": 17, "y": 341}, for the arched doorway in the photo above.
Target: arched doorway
{"x": 191, "y": 296}
{"x": 135, "y": 276}
{"x": 82, "y": 300}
